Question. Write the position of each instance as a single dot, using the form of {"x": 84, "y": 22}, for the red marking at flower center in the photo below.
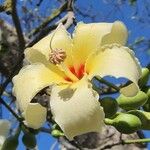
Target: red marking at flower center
{"x": 79, "y": 73}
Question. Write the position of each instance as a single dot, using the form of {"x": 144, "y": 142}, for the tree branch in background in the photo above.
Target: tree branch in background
{"x": 21, "y": 46}
{"x": 39, "y": 3}
{"x": 50, "y": 18}
{"x": 11, "y": 110}
{"x": 17, "y": 24}
{"x": 67, "y": 21}
{"x": 21, "y": 41}
{"x": 2, "y": 8}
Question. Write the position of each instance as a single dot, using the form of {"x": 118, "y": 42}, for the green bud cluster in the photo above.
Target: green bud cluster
{"x": 132, "y": 119}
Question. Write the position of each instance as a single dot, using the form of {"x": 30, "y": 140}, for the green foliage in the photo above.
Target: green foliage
{"x": 129, "y": 103}
{"x": 110, "y": 106}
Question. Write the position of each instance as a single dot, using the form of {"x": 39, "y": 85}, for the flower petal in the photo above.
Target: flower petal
{"x": 59, "y": 39}
{"x": 76, "y": 110}
{"x": 118, "y": 61}
{"x": 30, "y": 80}
{"x": 118, "y": 34}
{"x": 35, "y": 115}
{"x": 88, "y": 37}
{"x": 34, "y": 56}
{"x": 40, "y": 52}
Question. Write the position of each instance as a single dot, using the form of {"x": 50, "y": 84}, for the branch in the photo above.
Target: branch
{"x": 70, "y": 19}
{"x": 45, "y": 130}
{"x": 17, "y": 24}
{"x": 39, "y": 3}
{"x": 21, "y": 46}
{"x": 50, "y": 18}
{"x": 101, "y": 80}
{"x": 2, "y": 8}
{"x": 111, "y": 145}
{"x": 67, "y": 20}
{"x": 11, "y": 110}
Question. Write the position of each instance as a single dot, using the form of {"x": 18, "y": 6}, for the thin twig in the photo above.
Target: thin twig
{"x": 50, "y": 18}
{"x": 11, "y": 110}
{"x": 67, "y": 20}
{"x": 21, "y": 40}
{"x": 2, "y": 8}
{"x": 21, "y": 46}
{"x": 101, "y": 80}
{"x": 45, "y": 130}
{"x": 17, "y": 24}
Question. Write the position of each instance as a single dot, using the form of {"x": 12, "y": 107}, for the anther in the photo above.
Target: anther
{"x": 57, "y": 56}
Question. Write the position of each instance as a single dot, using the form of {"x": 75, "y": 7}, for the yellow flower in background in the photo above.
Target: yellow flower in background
{"x": 4, "y": 130}
{"x": 67, "y": 64}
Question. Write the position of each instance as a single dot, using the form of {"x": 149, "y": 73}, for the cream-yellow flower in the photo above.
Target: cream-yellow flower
{"x": 96, "y": 49}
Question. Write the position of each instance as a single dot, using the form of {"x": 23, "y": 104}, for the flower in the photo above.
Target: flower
{"x": 67, "y": 65}
{"x": 4, "y": 129}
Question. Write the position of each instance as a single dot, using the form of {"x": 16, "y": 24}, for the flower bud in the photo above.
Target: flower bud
{"x": 144, "y": 117}
{"x": 130, "y": 103}
{"x": 110, "y": 106}
{"x": 10, "y": 143}
{"x": 29, "y": 140}
{"x": 146, "y": 106}
{"x": 145, "y": 76}
{"x": 126, "y": 123}
{"x": 57, "y": 133}
{"x": 146, "y": 89}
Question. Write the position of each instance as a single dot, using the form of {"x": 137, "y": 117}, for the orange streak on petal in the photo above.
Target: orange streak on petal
{"x": 80, "y": 72}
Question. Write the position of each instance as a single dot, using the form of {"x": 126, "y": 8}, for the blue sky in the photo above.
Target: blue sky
{"x": 103, "y": 13}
